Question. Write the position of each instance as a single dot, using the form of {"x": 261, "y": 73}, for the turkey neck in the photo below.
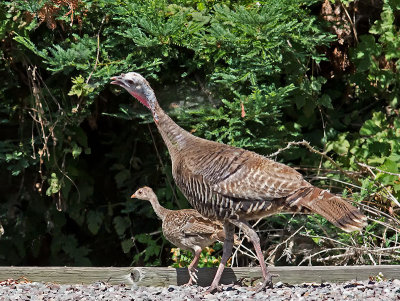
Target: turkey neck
{"x": 158, "y": 209}
{"x": 173, "y": 135}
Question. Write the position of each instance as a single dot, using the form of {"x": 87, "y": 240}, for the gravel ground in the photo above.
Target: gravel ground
{"x": 352, "y": 290}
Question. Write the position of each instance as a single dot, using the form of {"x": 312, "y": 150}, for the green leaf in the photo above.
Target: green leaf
{"x": 76, "y": 150}
{"x": 54, "y": 185}
{"x": 340, "y": 146}
{"x": 142, "y": 238}
{"x": 325, "y": 101}
{"x": 121, "y": 224}
{"x": 94, "y": 221}
{"x": 390, "y": 166}
{"x": 79, "y": 87}
{"x": 126, "y": 245}
{"x": 30, "y": 45}
{"x": 373, "y": 126}
{"x": 121, "y": 177}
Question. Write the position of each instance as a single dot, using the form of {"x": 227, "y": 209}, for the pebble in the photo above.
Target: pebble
{"x": 351, "y": 290}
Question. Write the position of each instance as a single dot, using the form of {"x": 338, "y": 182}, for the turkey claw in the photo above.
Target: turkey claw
{"x": 267, "y": 283}
{"x": 213, "y": 289}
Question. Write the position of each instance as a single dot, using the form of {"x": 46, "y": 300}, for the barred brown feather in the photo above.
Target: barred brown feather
{"x": 236, "y": 185}
{"x": 187, "y": 229}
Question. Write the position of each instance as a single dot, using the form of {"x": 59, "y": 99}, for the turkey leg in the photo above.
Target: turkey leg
{"x": 226, "y": 253}
{"x": 192, "y": 267}
{"x": 252, "y": 235}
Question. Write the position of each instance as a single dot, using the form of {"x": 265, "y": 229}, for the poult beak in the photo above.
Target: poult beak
{"x": 133, "y": 196}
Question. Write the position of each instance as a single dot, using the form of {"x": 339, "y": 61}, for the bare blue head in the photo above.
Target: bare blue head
{"x": 139, "y": 88}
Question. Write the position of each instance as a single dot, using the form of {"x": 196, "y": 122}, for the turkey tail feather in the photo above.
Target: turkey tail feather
{"x": 333, "y": 208}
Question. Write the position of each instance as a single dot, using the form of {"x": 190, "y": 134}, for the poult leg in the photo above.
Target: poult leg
{"x": 192, "y": 267}
{"x": 226, "y": 253}
{"x": 252, "y": 235}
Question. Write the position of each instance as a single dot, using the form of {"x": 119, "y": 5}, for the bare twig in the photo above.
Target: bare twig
{"x": 98, "y": 50}
{"x": 283, "y": 242}
{"x": 326, "y": 238}
{"x": 45, "y": 127}
{"x": 380, "y": 213}
{"x": 204, "y": 89}
{"x": 351, "y": 22}
{"x": 308, "y": 258}
{"x": 390, "y": 195}
{"x": 249, "y": 252}
{"x": 237, "y": 249}
{"x": 380, "y": 170}
{"x": 324, "y": 128}
{"x": 309, "y": 147}
{"x": 332, "y": 257}
{"x": 339, "y": 181}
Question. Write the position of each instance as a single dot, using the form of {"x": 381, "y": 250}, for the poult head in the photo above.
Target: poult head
{"x": 144, "y": 193}
{"x": 138, "y": 87}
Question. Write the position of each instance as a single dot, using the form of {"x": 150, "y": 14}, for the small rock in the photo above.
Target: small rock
{"x": 278, "y": 284}
{"x": 210, "y": 297}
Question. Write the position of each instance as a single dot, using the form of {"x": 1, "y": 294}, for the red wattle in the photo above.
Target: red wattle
{"x": 141, "y": 99}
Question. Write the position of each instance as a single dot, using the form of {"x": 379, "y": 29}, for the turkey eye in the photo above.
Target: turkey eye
{"x": 129, "y": 81}
{"x": 140, "y": 192}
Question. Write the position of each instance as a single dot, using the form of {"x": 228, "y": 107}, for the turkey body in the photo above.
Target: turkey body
{"x": 230, "y": 183}
{"x": 225, "y": 182}
{"x": 236, "y": 185}
{"x": 187, "y": 229}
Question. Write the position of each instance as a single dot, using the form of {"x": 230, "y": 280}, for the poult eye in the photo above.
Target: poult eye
{"x": 139, "y": 192}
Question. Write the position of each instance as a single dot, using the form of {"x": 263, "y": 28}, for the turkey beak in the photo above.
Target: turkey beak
{"x": 116, "y": 80}
{"x": 133, "y": 196}
{"x": 119, "y": 81}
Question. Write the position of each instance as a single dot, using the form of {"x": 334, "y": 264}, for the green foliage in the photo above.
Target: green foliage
{"x": 153, "y": 248}
{"x": 250, "y": 74}
{"x": 183, "y": 258}
{"x": 245, "y": 121}
{"x": 376, "y": 81}
{"x": 54, "y": 185}
{"x": 80, "y": 88}
{"x": 377, "y": 58}
{"x": 94, "y": 220}
{"x": 376, "y": 145}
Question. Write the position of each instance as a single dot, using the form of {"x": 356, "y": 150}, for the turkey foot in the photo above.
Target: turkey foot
{"x": 226, "y": 253}
{"x": 213, "y": 289}
{"x": 192, "y": 276}
{"x": 253, "y": 237}
{"x": 266, "y": 284}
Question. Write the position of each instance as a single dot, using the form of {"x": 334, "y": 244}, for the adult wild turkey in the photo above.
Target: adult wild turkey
{"x": 235, "y": 185}
{"x": 187, "y": 229}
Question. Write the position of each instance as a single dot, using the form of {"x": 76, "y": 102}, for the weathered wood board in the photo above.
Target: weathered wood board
{"x": 161, "y": 276}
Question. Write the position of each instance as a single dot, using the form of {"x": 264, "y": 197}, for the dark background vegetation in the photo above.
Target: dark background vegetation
{"x": 254, "y": 74}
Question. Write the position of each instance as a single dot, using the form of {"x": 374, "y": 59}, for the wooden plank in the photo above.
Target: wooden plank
{"x": 148, "y": 276}
{"x": 163, "y": 276}
{"x": 69, "y": 275}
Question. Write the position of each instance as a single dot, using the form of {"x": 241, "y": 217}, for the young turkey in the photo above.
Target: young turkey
{"x": 187, "y": 229}
{"x": 235, "y": 185}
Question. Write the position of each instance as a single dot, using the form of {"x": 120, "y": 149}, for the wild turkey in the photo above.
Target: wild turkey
{"x": 235, "y": 185}
{"x": 187, "y": 229}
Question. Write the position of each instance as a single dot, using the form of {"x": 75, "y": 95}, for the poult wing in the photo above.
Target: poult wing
{"x": 199, "y": 225}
